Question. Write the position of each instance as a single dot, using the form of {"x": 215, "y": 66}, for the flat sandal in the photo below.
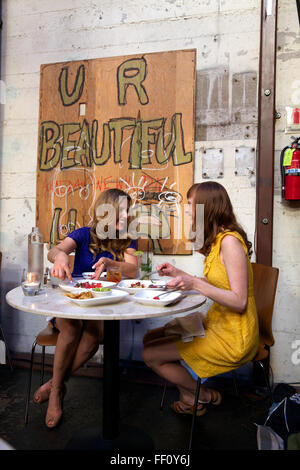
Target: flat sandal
{"x": 189, "y": 410}
{"x": 217, "y": 401}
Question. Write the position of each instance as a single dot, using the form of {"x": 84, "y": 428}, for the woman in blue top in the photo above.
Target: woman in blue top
{"x": 78, "y": 340}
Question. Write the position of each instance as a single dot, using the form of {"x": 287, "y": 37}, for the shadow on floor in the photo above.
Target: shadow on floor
{"x": 230, "y": 426}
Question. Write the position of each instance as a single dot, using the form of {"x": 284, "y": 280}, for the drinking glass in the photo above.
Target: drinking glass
{"x": 113, "y": 274}
{"x": 31, "y": 282}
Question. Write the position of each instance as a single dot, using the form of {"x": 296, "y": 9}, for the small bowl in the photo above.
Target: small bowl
{"x": 101, "y": 293}
{"x": 88, "y": 275}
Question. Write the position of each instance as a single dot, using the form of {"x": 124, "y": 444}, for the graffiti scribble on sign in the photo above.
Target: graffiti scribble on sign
{"x": 132, "y": 134}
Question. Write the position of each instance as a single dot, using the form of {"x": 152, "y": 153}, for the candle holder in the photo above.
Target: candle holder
{"x": 31, "y": 283}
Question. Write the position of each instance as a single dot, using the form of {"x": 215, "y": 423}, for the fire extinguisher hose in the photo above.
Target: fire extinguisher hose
{"x": 282, "y": 170}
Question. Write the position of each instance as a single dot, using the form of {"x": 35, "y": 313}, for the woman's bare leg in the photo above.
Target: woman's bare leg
{"x": 65, "y": 350}
{"x": 91, "y": 337}
{"x": 158, "y": 335}
{"x": 164, "y": 359}
{"x": 154, "y": 334}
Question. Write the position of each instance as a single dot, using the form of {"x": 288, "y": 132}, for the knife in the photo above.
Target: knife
{"x": 175, "y": 301}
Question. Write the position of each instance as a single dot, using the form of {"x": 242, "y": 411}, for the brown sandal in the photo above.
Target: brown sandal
{"x": 53, "y": 420}
{"x": 188, "y": 409}
{"x": 217, "y": 401}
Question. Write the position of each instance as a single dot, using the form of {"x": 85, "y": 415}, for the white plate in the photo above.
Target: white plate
{"x": 116, "y": 296}
{"x": 88, "y": 275}
{"x": 126, "y": 285}
{"x": 146, "y": 297}
{"x": 70, "y": 287}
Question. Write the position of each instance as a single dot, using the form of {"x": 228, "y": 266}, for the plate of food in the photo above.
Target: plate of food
{"x": 85, "y": 284}
{"x": 135, "y": 285}
{"x": 89, "y": 299}
{"x": 148, "y": 297}
{"x": 90, "y": 274}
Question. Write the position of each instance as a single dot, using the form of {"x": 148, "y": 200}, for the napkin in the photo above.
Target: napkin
{"x": 187, "y": 327}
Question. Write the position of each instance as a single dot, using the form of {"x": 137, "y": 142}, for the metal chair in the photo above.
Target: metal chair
{"x": 264, "y": 286}
{"x": 265, "y": 280}
{"x": 46, "y": 337}
{"x": 6, "y": 348}
{"x": 2, "y": 333}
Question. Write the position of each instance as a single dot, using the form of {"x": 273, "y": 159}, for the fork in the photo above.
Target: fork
{"x": 149, "y": 274}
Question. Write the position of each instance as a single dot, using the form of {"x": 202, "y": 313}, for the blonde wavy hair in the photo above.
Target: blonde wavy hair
{"x": 116, "y": 246}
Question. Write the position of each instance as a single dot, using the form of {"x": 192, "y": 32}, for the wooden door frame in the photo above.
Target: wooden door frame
{"x": 266, "y": 133}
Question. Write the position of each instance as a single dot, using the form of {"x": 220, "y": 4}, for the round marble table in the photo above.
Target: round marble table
{"x": 53, "y": 302}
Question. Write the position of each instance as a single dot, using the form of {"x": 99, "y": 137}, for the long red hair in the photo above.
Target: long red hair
{"x": 218, "y": 213}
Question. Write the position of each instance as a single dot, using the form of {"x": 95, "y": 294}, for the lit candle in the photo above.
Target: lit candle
{"x": 32, "y": 284}
{"x": 31, "y": 280}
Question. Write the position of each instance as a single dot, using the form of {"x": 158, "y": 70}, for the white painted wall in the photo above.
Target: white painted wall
{"x": 286, "y": 239}
{"x": 226, "y": 36}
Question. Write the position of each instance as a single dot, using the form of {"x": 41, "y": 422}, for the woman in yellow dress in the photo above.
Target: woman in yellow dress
{"x": 231, "y": 324}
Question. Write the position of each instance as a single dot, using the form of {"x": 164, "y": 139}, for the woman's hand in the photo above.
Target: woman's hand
{"x": 128, "y": 267}
{"x": 182, "y": 282}
{"x": 102, "y": 264}
{"x": 167, "y": 269}
{"x": 61, "y": 267}
{"x": 59, "y": 256}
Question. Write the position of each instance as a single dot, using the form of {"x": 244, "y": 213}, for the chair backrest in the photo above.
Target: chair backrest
{"x": 265, "y": 284}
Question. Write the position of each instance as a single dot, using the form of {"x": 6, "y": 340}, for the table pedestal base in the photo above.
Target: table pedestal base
{"x": 130, "y": 438}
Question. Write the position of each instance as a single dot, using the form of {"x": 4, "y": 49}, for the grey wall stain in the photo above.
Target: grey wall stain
{"x": 26, "y": 202}
{"x": 288, "y": 56}
{"x": 11, "y": 92}
{"x": 282, "y": 38}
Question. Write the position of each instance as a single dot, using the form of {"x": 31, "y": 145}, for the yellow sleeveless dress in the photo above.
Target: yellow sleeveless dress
{"x": 231, "y": 338}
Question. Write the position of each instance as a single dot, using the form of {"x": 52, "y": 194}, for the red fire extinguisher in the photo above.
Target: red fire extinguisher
{"x": 290, "y": 171}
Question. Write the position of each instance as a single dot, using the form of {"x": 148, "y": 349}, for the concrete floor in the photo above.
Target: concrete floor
{"x": 229, "y": 426}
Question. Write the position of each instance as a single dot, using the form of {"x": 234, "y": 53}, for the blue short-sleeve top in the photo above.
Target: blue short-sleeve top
{"x": 84, "y": 259}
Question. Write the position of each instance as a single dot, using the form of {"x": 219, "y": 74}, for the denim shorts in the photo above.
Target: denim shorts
{"x": 52, "y": 321}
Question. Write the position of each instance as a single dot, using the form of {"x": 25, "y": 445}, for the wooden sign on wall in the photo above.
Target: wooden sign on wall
{"x": 124, "y": 122}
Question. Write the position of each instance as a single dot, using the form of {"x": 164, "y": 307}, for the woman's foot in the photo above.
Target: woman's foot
{"x": 206, "y": 396}
{"x": 185, "y": 405}
{"x": 182, "y": 407}
{"x": 42, "y": 393}
{"x": 54, "y": 411}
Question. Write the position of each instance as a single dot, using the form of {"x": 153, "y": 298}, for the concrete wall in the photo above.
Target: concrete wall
{"x": 226, "y": 36}
{"x": 286, "y": 239}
